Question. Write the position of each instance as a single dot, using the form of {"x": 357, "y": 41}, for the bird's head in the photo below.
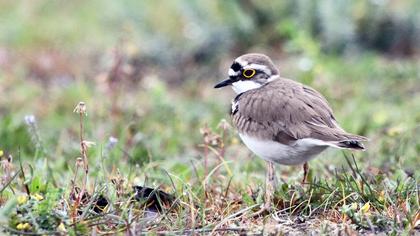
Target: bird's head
{"x": 250, "y": 71}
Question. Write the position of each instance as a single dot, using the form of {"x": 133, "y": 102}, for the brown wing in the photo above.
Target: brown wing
{"x": 285, "y": 111}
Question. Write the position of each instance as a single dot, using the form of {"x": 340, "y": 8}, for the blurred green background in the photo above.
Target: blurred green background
{"x": 146, "y": 70}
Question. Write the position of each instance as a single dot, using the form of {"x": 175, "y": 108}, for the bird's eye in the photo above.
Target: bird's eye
{"x": 248, "y": 73}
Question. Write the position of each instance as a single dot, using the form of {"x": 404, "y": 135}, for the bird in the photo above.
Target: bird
{"x": 281, "y": 120}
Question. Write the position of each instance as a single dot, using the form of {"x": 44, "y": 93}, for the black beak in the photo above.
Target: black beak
{"x": 224, "y": 83}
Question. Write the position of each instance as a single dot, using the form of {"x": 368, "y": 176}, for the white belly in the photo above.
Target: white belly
{"x": 297, "y": 153}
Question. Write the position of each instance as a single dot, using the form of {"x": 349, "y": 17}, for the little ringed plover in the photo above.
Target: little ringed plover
{"x": 280, "y": 120}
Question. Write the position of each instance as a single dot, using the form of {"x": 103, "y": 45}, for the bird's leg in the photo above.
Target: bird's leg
{"x": 305, "y": 172}
{"x": 269, "y": 190}
{"x": 269, "y": 185}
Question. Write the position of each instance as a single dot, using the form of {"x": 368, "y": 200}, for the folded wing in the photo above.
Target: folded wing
{"x": 286, "y": 111}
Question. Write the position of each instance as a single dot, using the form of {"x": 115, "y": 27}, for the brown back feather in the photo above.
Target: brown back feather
{"x": 284, "y": 110}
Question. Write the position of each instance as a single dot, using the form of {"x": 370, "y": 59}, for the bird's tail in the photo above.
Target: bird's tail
{"x": 351, "y": 144}
{"x": 351, "y": 141}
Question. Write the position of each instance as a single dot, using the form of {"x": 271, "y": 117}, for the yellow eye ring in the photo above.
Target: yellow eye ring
{"x": 248, "y": 73}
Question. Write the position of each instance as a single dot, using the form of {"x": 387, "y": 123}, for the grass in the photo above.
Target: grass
{"x": 175, "y": 139}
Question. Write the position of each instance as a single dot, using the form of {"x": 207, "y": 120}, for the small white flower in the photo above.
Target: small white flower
{"x": 112, "y": 141}
{"x": 30, "y": 119}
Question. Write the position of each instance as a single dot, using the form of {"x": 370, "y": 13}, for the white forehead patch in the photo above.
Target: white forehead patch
{"x": 233, "y": 73}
